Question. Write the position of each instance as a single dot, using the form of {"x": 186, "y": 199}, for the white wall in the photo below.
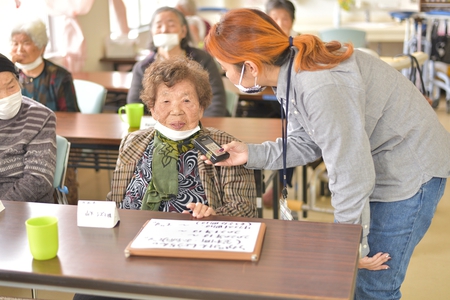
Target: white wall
{"x": 312, "y": 12}
{"x": 10, "y": 15}
{"x": 95, "y": 27}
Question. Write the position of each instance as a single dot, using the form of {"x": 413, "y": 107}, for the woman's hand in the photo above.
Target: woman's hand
{"x": 375, "y": 262}
{"x": 200, "y": 210}
{"x": 238, "y": 154}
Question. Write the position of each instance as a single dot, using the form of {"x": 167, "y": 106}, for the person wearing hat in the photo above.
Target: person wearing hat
{"x": 27, "y": 142}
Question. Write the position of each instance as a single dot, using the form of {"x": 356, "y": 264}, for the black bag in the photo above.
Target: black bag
{"x": 440, "y": 44}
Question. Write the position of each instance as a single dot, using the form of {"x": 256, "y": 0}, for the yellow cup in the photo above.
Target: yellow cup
{"x": 42, "y": 235}
{"x": 134, "y": 112}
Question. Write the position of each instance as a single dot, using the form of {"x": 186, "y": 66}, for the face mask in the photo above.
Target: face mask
{"x": 30, "y": 66}
{"x": 175, "y": 135}
{"x": 9, "y": 106}
{"x": 251, "y": 90}
{"x": 166, "y": 41}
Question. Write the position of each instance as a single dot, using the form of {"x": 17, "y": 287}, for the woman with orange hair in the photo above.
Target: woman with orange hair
{"x": 385, "y": 151}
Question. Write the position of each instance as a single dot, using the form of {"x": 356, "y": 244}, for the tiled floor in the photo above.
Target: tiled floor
{"x": 428, "y": 273}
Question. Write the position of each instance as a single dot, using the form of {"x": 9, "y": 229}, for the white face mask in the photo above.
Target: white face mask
{"x": 251, "y": 90}
{"x": 175, "y": 135}
{"x": 9, "y": 106}
{"x": 30, "y": 66}
{"x": 166, "y": 41}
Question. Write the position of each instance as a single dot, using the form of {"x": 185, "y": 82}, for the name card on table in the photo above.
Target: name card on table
{"x": 147, "y": 122}
{"x": 101, "y": 214}
{"x": 2, "y": 207}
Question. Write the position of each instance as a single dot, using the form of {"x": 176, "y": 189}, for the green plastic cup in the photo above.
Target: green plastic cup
{"x": 43, "y": 237}
{"x": 134, "y": 112}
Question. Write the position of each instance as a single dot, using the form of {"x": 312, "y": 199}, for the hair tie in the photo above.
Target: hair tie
{"x": 290, "y": 41}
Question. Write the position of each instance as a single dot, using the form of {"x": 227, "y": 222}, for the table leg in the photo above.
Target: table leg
{"x": 276, "y": 193}
{"x": 259, "y": 180}
{"x": 304, "y": 189}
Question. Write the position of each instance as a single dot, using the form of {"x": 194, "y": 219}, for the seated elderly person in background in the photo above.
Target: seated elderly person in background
{"x": 27, "y": 142}
{"x": 41, "y": 79}
{"x": 170, "y": 37}
{"x": 283, "y": 13}
{"x": 159, "y": 169}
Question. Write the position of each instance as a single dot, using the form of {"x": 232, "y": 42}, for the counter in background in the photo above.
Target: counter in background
{"x": 386, "y": 38}
{"x": 377, "y": 32}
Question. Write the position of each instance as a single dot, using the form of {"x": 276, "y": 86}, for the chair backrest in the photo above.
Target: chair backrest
{"x": 232, "y": 102}
{"x": 344, "y": 35}
{"x": 62, "y": 159}
{"x": 91, "y": 96}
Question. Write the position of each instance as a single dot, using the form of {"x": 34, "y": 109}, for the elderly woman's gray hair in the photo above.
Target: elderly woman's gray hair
{"x": 172, "y": 71}
{"x": 35, "y": 29}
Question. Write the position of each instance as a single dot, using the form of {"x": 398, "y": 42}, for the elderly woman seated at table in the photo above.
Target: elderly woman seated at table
{"x": 27, "y": 143}
{"x": 170, "y": 37}
{"x": 41, "y": 79}
{"x": 159, "y": 169}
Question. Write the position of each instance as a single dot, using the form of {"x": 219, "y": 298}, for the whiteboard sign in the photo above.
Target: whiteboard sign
{"x": 2, "y": 207}
{"x": 198, "y": 235}
{"x": 102, "y": 214}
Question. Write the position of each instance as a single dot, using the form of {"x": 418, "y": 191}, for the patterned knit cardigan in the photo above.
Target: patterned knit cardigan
{"x": 28, "y": 154}
{"x": 231, "y": 191}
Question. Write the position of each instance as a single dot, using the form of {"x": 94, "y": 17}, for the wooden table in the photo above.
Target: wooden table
{"x": 299, "y": 260}
{"x": 108, "y": 129}
{"x": 119, "y": 61}
{"x": 114, "y": 82}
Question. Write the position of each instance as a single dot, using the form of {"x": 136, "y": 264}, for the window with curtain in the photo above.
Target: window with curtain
{"x": 138, "y": 14}
{"x": 10, "y": 15}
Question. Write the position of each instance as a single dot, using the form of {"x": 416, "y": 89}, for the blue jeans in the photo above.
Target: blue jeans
{"x": 396, "y": 228}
